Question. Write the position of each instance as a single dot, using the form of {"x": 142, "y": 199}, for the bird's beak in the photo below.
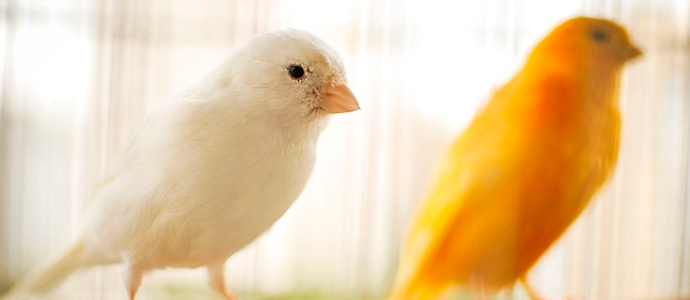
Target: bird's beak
{"x": 339, "y": 99}
{"x": 633, "y": 52}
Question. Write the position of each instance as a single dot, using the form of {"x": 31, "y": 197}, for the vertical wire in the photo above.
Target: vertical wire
{"x": 512, "y": 28}
{"x": 651, "y": 87}
{"x": 267, "y": 14}
{"x": 116, "y": 77}
{"x": 379, "y": 19}
{"x": 5, "y": 217}
{"x": 590, "y": 250}
{"x": 393, "y": 194}
{"x": 619, "y": 210}
{"x": 10, "y": 219}
{"x": 86, "y": 21}
{"x": 684, "y": 270}
{"x": 115, "y": 84}
{"x": 608, "y": 210}
{"x": 46, "y": 157}
{"x": 129, "y": 40}
{"x": 97, "y": 100}
{"x": 398, "y": 143}
{"x": 260, "y": 23}
{"x": 573, "y": 251}
{"x": 659, "y": 216}
{"x": 392, "y": 99}
{"x": 371, "y": 13}
{"x": 102, "y": 108}
{"x": 591, "y": 221}
{"x": 616, "y": 200}
{"x": 143, "y": 33}
{"x": 263, "y": 23}
{"x": 361, "y": 193}
{"x": 104, "y": 88}
{"x": 21, "y": 99}
{"x": 511, "y": 43}
{"x": 668, "y": 189}
{"x": 4, "y": 25}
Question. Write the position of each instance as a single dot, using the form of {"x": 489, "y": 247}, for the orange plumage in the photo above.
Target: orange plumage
{"x": 524, "y": 169}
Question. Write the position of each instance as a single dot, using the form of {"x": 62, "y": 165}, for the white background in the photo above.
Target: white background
{"x": 76, "y": 76}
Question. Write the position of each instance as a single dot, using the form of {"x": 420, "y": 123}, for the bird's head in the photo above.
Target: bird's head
{"x": 293, "y": 73}
{"x": 588, "y": 42}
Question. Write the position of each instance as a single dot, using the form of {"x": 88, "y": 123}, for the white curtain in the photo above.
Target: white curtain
{"x": 76, "y": 76}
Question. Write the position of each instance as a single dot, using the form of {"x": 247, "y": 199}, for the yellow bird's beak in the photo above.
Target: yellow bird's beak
{"x": 632, "y": 53}
{"x": 339, "y": 99}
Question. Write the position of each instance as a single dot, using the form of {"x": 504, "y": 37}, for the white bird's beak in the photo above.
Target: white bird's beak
{"x": 339, "y": 99}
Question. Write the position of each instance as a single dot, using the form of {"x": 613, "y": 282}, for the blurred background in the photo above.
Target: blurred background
{"x": 76, "y": 76}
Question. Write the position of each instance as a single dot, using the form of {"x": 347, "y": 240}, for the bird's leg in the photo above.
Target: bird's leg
{"x": 216, "y": 278}
{"x": 529, "y": 289}
{"x": 479, "y": 290}
{"x": 133, "y": 275}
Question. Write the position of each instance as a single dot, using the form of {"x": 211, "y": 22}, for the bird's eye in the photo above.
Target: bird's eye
{"x": 600, "y": 36}
{"x": 296, "y": 71}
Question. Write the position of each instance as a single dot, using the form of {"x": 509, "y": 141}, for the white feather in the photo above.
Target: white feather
{"x": 215, "y": 168}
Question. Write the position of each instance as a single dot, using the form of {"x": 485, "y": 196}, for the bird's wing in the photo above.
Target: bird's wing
{"x": 473, "y": 168}
{"x": 476, "y": 194}
{"x": 143, "y": 181}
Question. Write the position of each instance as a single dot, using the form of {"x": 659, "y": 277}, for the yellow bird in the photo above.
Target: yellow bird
{"x": 524, "y": 169}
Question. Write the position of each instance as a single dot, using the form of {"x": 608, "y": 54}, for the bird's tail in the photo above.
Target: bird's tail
{"x": 47, "y": 276}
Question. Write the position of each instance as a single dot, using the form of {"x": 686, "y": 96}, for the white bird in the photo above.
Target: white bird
{"x": 215, "y": 168}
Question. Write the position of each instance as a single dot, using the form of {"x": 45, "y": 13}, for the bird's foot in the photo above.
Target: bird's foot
{"x": 531, "y": 292}
{"x": 230, "y": 296}
{"x": 217, "y": 280}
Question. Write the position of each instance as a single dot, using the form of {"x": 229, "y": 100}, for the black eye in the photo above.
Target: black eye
{"x": 296, "y": 71}
{"x": 600, "y": 36}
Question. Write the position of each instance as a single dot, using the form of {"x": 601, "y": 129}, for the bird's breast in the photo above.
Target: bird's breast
{"x": 251, "y": 189}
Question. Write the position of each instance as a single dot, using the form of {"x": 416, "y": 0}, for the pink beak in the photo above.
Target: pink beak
{"x": 339, "y": 99}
